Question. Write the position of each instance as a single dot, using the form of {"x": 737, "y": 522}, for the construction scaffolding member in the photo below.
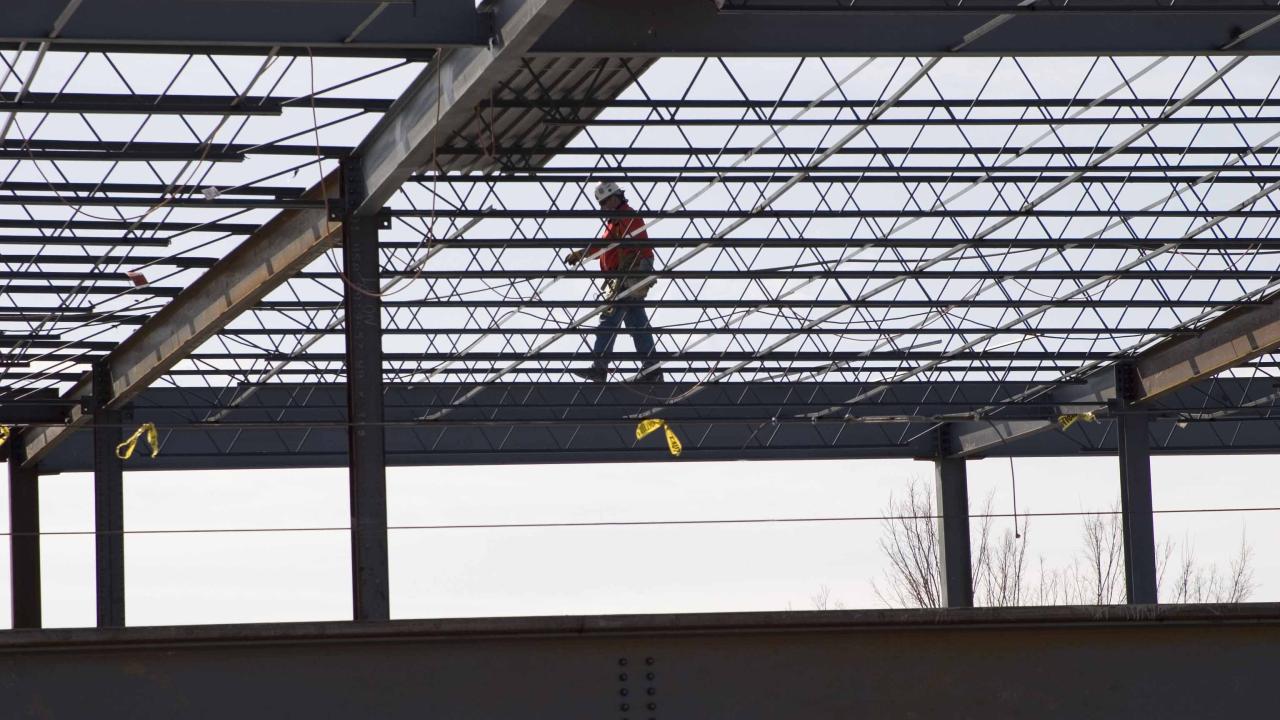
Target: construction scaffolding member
{"x": 633, "y": 259}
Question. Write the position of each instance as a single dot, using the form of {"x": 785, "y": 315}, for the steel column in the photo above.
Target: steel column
{"x": 955, "y": 567}
{"x": 1135, "y": 493}
{"x": 24, "y": 543}
{"x": 365, "y": 436}
{"x": 108, "y": 502}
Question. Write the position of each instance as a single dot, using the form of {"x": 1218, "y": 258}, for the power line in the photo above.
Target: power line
{"x": 640, "y": 523}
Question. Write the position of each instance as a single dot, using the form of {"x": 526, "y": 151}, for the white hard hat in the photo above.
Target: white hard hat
{"x": 605, "y": 189}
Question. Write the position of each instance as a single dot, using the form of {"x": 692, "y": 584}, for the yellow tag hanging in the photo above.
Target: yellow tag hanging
{"x": 647, "y": 427}
{"x": 124, "y": 450}
{"x": 4, "y": 435}
{"x": 1066, "y": 421}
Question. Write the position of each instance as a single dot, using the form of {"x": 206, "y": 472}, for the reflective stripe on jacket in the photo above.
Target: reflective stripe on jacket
{"x": 617, "y": 229}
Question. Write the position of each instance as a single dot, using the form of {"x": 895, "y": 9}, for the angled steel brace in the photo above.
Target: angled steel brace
{"x": 1228, "y": 341}
{"x": 438, "y": 101}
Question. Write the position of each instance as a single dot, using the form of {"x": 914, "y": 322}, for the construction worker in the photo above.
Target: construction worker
{"x": 636, "y": 261}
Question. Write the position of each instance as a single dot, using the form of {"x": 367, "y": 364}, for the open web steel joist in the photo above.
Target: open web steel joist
{"x": 859, "y": 248}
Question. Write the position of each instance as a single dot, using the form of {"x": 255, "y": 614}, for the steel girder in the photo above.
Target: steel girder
{"x": 678, "y": 27}
{"x": 348, "y": 26}
{"x": 1174, "y": 662}
{"x": 653, "y": 28}
{"x": 292, "y": 425}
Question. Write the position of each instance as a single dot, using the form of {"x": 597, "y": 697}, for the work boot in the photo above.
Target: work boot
{"x": 596, "y": 373}
{"x": 650, "y": 373}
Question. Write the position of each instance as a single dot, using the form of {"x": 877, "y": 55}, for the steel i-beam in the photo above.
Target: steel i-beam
{"x": 24, "y": 542}
{"x": 1135, "y": 493}
{"x": 954, "y": 561}
{"x": 365, "y": 435}
{"x": 108, "y": 502}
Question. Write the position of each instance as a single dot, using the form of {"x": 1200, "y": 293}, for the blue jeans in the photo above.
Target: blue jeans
{"x": 607, "y": 331}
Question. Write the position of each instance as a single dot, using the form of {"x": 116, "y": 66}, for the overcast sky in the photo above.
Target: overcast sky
{"x": 282, "y": 576}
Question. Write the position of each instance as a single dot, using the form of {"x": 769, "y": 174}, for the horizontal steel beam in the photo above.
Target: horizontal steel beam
{"x": 957, "y": 175}
{"x": 141, "y": 226}
{"x": 983, "y": 7}
{"x": 158, "y": 150}
{"x": 1175, "y": 661}
{"x": 1077, "y": 302}
{"x": 956, "y": 121}
{"x": 1204, "y": 242}
{"x": 661, "y": 28}
{"x": 83, "y": 241}
{"x": 774, "y": 214}
{"x": 100, "y": 288}
{"x": 147, "y": 188}
{"x": 310, "y": 372}
{"x": 957, "y": 102}
{"x": 793, "y": 275}
{"x": 838, "y": 329}
{"x": 874, "y": 150}
{"x": 260, "y": 26}
{"x": 295, "y": 425}
{"x": 513, "y": 169}
{"x": 144, "y": 104}
{"x": 119, "y": 201}
{"x": 693, "y": 356}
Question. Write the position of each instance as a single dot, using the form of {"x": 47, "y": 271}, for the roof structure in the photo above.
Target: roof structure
{"x": 859, "y": 250}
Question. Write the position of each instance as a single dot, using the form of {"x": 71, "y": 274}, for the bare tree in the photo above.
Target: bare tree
{"x": 1095, "y": 575}
{"x": 1001, "y": 582}
{"x": 1098, "y": 574}
{"x": 822, "y": 600}
{"x": 910, "y": 541}
{"x": 1196, "y": 583}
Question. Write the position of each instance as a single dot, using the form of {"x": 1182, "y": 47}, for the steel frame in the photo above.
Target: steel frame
{"x": 871, "y": 240}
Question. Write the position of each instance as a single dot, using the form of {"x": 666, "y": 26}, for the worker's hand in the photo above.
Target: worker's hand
{"x": 574, "y": 257}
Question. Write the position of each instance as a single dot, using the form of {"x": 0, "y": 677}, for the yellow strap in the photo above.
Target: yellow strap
{"x": 1066, "y": 421}
{"x": 4, "y": 435}
{"x": 647, "y": 427}
{"x": 124, "y": 450}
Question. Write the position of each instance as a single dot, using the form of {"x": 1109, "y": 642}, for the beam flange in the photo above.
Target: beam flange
{"x": 664, "y": 28}
{"x": 260, "y": 26}
{"x": 444, "y": 98}
{"x": 1231, "y": 339}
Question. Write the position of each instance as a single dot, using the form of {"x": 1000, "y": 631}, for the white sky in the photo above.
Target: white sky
{"x": 249, "y": 577}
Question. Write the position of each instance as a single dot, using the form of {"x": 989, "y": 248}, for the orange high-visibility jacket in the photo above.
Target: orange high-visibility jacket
{"x": 617, "y": 229}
